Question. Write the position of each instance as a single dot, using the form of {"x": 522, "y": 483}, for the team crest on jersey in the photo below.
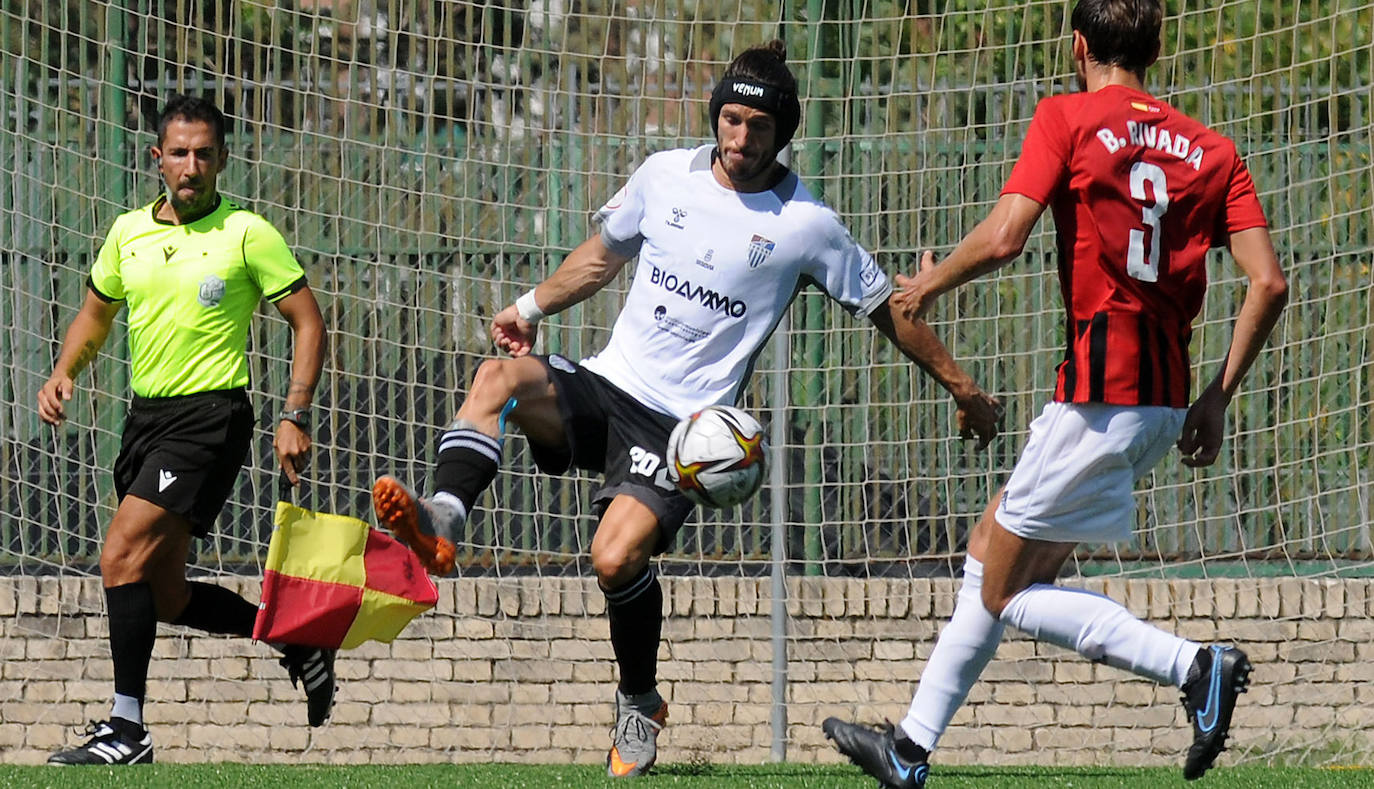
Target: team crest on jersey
{"x": 211, "y": 291}
{"x": 869, "y": 273}
{"x": 759, "y": 250}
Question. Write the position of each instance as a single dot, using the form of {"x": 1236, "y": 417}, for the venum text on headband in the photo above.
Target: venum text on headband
{"x": 781, "y": 104}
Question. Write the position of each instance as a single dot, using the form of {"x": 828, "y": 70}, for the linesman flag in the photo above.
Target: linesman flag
{"x": 332, "y": 581}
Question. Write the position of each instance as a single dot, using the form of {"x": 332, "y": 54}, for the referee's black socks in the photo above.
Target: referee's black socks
{"x": 215, "y": 609}
{"x": 133, "y": 629}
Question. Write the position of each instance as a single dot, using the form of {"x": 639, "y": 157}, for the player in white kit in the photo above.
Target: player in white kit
{"x": 725, "y": 237}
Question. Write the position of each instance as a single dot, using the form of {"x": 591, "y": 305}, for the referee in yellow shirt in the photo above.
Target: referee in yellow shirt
{"x": 191, "y": 267}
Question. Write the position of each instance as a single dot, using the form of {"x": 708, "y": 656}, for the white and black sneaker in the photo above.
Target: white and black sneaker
{"x": 313, "y": 668}
{"x": 115, "y": 741}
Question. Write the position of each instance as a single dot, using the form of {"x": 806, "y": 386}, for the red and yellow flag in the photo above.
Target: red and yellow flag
{"x": 333, "y": 581}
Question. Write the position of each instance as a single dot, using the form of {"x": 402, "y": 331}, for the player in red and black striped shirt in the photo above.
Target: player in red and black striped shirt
{"x": 1140, "y": 193}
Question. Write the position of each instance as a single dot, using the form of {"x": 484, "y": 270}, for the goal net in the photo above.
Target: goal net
{"x": 429, "y": 160}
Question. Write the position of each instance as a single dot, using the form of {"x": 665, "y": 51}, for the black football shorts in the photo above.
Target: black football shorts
{"x": 610, "y": 432}
{"x": 184, "y": 453}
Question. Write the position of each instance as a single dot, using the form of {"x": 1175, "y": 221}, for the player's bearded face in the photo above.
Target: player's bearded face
{"x": 190, "y": 159}
{"x": 745, "y": 139}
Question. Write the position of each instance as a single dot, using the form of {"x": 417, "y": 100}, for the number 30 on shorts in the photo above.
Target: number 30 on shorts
{"x": 649, "y": 464}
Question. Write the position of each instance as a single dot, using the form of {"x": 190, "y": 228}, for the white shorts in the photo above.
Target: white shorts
{"x": 1074, "y": 480}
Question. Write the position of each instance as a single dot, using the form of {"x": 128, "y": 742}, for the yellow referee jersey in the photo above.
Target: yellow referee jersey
{"x": 191, "y": 291}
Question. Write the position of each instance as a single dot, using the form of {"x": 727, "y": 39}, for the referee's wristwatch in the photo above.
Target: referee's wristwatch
{"x": 300, "y": 417}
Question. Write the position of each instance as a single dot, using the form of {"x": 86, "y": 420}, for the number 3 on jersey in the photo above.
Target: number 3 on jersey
{"x": 1141, "y": 263}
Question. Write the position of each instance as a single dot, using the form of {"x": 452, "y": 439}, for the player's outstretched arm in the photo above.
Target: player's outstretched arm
{"x": 980, "y": 414}
{"x": 586, "y": 270}
{"x": 83, "y": 340}
{"x": 1265, "y": 297}
{"x": 993, "y": 243}
{"x": 309, "y": 341}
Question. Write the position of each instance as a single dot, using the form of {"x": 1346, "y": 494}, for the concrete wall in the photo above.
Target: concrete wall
{"x": 520, "y": 670}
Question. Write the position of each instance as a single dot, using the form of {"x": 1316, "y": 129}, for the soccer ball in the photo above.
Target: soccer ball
{"x": 717, "y": 456}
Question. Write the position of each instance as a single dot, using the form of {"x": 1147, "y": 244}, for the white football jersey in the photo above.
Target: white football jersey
{"x": 716, "y": 270}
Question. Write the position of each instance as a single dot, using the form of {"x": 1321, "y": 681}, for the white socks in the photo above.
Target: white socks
{"x": 1092, "y": 625}
{"x": 128, "y": 708}
{"x": 1099, "y": 628}
{"x": 965, "y": 646}
{"x": 447, "y": 514}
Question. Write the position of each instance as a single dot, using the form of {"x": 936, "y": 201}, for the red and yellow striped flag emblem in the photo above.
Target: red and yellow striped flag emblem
{"x": 333, "y": 581}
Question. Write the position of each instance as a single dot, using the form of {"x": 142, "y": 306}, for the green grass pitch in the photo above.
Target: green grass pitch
{"x": 781, "y": 776}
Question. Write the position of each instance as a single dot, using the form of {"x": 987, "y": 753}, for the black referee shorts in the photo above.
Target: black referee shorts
{"x": 610, "y": 432}
{"x": 184, "y": 453}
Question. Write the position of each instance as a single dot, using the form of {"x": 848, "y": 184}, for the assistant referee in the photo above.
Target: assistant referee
{"x": 191, "y": 267}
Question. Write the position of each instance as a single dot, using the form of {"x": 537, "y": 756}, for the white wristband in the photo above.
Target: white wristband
{"x": 528, "y": 308}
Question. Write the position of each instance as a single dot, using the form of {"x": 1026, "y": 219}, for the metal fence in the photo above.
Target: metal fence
{"x": 427, "y": 159}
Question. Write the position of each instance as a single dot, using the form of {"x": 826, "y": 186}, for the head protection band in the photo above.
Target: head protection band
{"x": 782, "y": 105}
